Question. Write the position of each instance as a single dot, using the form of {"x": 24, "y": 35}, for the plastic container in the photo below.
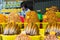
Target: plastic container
{"x": 42, "y": 37}
{"x": 44, "y": 24}
{"x": 58, "y": 37}
{"x": 22, "y": 30}
{"x": 38, "y": 24}
{"x": 58, "y": 14}
{"x": 12, "y": 37}
{"x": 42, "y": 32}
{"x": 0, "y": 36}
{"x": 35, "y": 37}
{"x": 4, "y": 25}
{"x": 8, "y": 37}
{"x": 19, "y": 24}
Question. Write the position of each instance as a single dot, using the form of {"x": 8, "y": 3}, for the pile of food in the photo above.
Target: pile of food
{"x": 50, "y": 11}
{"x": 51, "y": 37}
{"x": 31, "y": 19}
{"x": 52, "y": 20}
{"x": 13, "y": 16}
{"x": 23, "y": 37}
{"x": 3, "y": 18}
{"x": 12, "y": 27}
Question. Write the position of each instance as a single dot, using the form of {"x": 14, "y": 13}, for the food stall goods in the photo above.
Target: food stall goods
{"x": 3, "y": 18}
{"x": 12, "y": 27}
{"x": 31, "y": 19}
{"x": 51, "y": 36}
{"x": 51, "y": 17}
{"x": 23, "y": 37}
{"x": 52, "y": 20}
{"x": 51, "y": 9}
{"x": 13, "y": 16}
{"x": 54, "y": 8}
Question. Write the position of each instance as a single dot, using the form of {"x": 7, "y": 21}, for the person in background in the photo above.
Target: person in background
{"x": 25, "y": 9}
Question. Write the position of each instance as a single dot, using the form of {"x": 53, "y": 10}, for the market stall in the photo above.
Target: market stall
{"x": 33, "y": 25}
